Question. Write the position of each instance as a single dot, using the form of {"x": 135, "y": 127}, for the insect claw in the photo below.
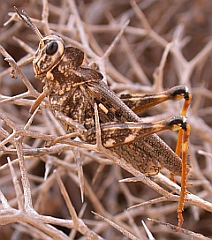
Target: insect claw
{"x": 178, "y": 123}
{"x": 180, "y": 92}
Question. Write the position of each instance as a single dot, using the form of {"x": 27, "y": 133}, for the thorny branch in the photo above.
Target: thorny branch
{"x": 127, "y": 55}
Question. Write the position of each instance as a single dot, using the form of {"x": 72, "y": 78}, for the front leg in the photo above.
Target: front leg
{"x": 39, "y": 100}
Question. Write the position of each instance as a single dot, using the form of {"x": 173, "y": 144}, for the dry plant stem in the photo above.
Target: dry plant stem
{"x": 98, "y": 171}
{"x": 25, "y": 182}
{"x": 84, "y": 230}
{"x": 190, "y": 198}
{"x": 198, "y": 173}
{"x": 98, "y": 128}
{"x": 78, "y": 225}
{"x": 189, "y": 233}
{"x": 30, "y": 120}
{"x": 93, "y": 198}
{"x": 4, "y": 202}
{"x": 26, "y": 228}
{"x": 150, "y": 202}
{"x": 16, "y": 186}
{"x": 73, "y": 231}
{"x": 98, "y": 205}
{"x": 204, "y": 133}
{"x": 85, "y": 43}
{"x": 26, "y": 217}
{"x": 25, "y": 214}
{"x": 106, "y": 65}
{"x": 122, "y": 230}
{"x": 11, "y": 31}
{"x": 48, "y": 116}
{"x": 80, "y": 28}
{"x": 38, "y": 221}
{"x": 13, "y": 64}
{"x": 205, "y": 153}
{"x": 27, "y": 48}
{"x": 71, "y": 41}
{"x": 114, "y": 28}
{"x": 18, "y": 99}
{"x": 17, "y": 131}
{"x": 158, "y": 74}
{"x": 45, "y": 15}
{"x": 134, "y": 63}
{"x": 111, "y": 48}
{"x": 115, "y": 41}
{"x": 186, "y": 67}
{"x": 147, "y": 26}
{"x": 80, "y": 172}
{"x": 200, "y": 57}
{"x": 133, "y": 225}
{"x": 124, "y": 189}
{"x": 22, "y": 62}
{"x": 149, "y": 234}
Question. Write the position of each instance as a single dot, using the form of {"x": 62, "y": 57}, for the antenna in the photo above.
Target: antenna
{"x": 29, "y": 22}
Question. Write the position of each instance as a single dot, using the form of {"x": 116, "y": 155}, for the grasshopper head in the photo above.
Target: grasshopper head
{"x": 50, "y": 50}
{"x": 48, "y": 55}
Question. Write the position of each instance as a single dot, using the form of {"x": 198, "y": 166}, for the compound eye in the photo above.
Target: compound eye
{"x": 51, "y": 48}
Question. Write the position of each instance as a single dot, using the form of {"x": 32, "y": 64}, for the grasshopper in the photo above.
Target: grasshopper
{"x": 73, "y": 88}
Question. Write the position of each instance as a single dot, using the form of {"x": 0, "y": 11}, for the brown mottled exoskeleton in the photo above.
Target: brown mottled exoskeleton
{"x": 72, "y": 90}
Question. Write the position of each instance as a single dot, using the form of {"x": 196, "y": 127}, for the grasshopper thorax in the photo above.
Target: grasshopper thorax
{"x": 49, "y": 54}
